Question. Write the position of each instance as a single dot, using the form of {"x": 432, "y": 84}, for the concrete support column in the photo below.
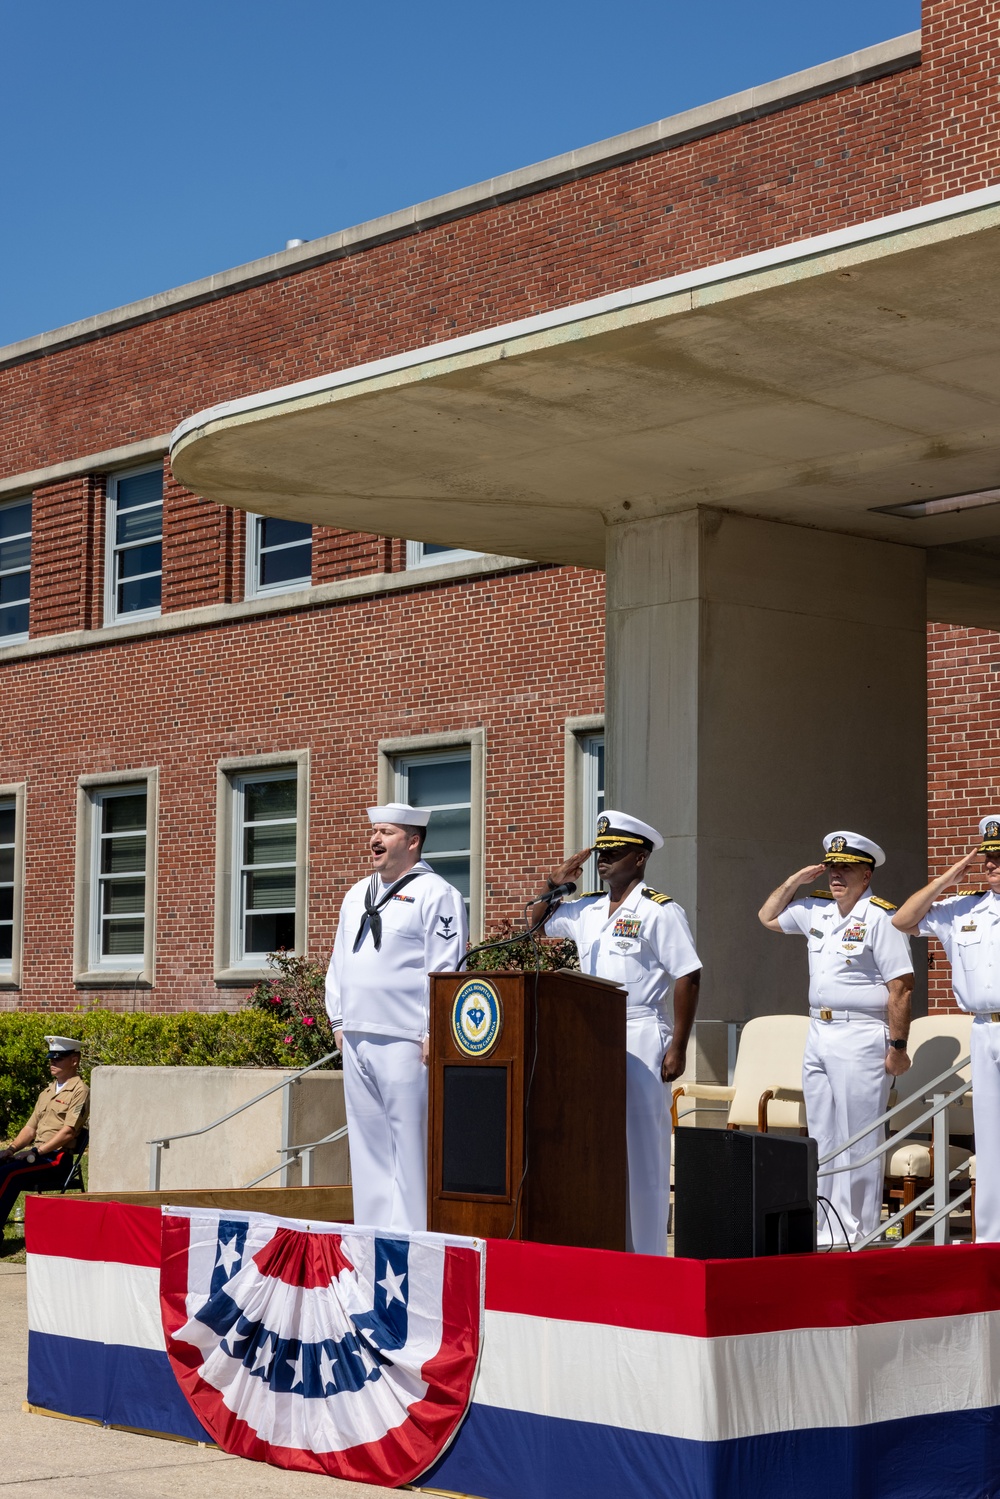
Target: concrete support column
{"x": 765, "y": 684}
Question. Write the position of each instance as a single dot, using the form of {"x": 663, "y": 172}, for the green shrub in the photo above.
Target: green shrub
{"x": 521, "y": 953}
{"x": 248, "y": 1038}
{"x": 296, "y": 996}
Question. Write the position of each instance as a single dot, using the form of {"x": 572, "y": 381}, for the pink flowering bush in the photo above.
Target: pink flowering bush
{"x": 295, "y": 995}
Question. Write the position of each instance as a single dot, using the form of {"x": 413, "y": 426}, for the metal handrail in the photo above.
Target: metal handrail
{"x": 297, "y": 1152}
{"x": 897, "y": 1108}
{"x": 158, "y": 1146}
{"x": 890, "y": 1143}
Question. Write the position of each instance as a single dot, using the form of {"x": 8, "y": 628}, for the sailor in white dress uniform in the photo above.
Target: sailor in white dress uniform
{"x": 860, "y": 986}
{"x": 641, "y": 940}
{"x": 968, "y": 927}
{"x": 396, "y": 926}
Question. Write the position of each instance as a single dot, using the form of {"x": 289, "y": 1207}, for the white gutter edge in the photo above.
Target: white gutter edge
{"x": 910, "y": 218}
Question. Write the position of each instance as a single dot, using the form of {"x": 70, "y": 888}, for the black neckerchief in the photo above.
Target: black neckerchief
{"x": 373, "y": 907}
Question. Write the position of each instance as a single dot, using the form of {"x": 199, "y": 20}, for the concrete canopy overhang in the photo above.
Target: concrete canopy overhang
{"x": 810, "y": 384}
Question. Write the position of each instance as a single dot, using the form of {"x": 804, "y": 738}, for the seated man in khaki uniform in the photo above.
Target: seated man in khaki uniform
{"x": 58, "y": 1117}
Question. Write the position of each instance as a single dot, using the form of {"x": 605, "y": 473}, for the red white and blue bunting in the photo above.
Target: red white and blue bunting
{"x": 325, "y": 1348}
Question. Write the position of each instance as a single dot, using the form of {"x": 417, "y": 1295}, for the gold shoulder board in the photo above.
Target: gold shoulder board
{"x": 886, "y": 905}
{"x": 972, "y": 892}
{"x": 588, "y": 894}
{"x": 656, "y": 895}
{"x": 821, "y": 894}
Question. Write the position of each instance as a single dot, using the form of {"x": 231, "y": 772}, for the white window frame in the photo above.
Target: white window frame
{"x": 90, "y": 969}
{"x": 578, "y": 826}
{"x": 10, "y": 969}
{"x": 231, "y": 967}
{"x": 111, "y": 549}
{"x": 415, "y": 555}
{"x": 252, "y": 587}
{"x": 391, "y": 751}
{"x": 21, "y": 499}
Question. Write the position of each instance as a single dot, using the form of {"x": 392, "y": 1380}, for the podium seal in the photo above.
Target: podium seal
{"x": 476, "y": 1018}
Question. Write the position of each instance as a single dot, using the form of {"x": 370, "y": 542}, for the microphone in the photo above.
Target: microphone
{"x": 551, "y": 896}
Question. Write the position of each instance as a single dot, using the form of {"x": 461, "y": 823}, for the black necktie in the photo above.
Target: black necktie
{"x": 373, "y": 907}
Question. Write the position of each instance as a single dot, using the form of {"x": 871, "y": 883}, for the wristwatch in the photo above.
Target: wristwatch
{"x": 897, "y": 1045}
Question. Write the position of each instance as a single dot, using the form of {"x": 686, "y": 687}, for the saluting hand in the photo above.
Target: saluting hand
{"x": 807, "y": 875}
{"x": 572, "y": 869}
{"x": 956, "y": 871}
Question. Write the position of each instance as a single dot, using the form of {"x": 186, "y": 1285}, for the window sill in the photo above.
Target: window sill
{"x": 242, "y": 978}
{"x": 113, "y": 978}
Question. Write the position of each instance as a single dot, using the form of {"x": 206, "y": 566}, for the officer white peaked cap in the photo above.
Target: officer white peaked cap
{"x": 842, "y": 847}
{"x": 618, "y": 828}
{"x": 401, "y": 813}
{"x": 62, "y": 1043}
{"x": 989, "y": 832}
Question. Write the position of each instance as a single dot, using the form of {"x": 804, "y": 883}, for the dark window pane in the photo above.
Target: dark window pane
{"x": 137, "y": 560}
{"x": 145, "y": 594}
{"x": 6, "y": 864}
{"x": 122, "y": 938}
{"x": 7, "y": 824}
{"x": 276, "y": 888}
{"x": 449, "y": 829}
{"x": 123, "y": 855}
{"x": 140, "y": 489}
{"x": 263, "y": 800}
{"x": 6, "y": 942}
{"x": 125, "y": 813}
{"x": 455, "y": 871}
{"x": 135, "y": 525}
{"x": 124, "y": 896}
{"x": 6, "y": 903}
{"x": 14, "y": 587}
{"x": 273, "y": 843}
{"x": 268, "y": 933}
{"x": 275, "y": 532}
{"x": 15, "y": 553}
{"x": 14, "y": 621}
{"x": 15, "y": 518}
{"x": 286, "y": 566}
{"x": 431, "y": 784}
{"x": 431, "y": 549}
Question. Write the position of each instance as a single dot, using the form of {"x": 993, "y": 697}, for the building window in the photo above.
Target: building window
{"x": 116, "y": 884}
{"x": 592, "y": 792}
{"x": 265, "y": 827}
{"x": 442, "y": 782}
{"x": 15, "y": 570}
{"x": 260, "y": 863}
{"x": 11, "y": 883}
{"x": 429, "y": 554}
{"x": 279, "y": 555}
{"x": 134, "y": 549}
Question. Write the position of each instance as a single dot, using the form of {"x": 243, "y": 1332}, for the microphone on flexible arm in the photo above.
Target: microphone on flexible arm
{"x": 556, "y": 892}
{"x": 548, "y": 897}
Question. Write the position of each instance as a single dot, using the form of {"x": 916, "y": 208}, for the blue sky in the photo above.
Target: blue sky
{"x": 149, "y": 144}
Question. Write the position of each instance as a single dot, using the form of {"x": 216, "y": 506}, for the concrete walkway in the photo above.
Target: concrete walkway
{"x": 41, "y": 1456}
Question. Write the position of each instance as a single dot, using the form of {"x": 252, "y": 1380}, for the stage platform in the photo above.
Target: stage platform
{"x": 600, "y": 1374}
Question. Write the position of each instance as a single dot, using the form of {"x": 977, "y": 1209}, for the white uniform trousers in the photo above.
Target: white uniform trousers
{"x": 647, "y": 1131}
{"x": 985, "y": 1053}
{"x": 385, "y": 1094}
{"x": 845, "y": 1086}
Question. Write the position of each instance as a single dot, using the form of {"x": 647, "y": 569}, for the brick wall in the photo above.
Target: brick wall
{"x": 335, "y": 680}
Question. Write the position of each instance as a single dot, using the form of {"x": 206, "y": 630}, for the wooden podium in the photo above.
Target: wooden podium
{"x": 548, "y": 1160}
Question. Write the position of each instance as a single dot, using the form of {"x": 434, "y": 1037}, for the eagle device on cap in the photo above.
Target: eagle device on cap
{"x": 989, "y": 832}
{"x": 65, "y": 1045}
{"x": 619, "y": 830}
{"x": 400, "y": 813}
{"x": 851, "y": 848}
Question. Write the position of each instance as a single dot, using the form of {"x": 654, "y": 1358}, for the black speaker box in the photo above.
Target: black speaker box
{"x": 737, "y": 1194}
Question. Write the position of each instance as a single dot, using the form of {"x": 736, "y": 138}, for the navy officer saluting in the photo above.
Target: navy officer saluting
{"x": 860, "y": 983}
{"x": 641, "y": 940}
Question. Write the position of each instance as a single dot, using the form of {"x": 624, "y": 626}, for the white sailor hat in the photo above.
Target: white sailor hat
{"x": 64, "y": 1044}
{"x": 851, "y": 848}
{"x": 989, "y": 832}
{"x": 619, "y": 830}
{"x": 401, "y": 813}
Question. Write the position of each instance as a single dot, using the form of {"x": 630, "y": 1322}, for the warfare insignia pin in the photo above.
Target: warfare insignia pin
{"x": 476, "y": 1018}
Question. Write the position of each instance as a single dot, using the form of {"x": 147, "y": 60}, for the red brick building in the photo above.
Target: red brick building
{"x": 198, "y": 705}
